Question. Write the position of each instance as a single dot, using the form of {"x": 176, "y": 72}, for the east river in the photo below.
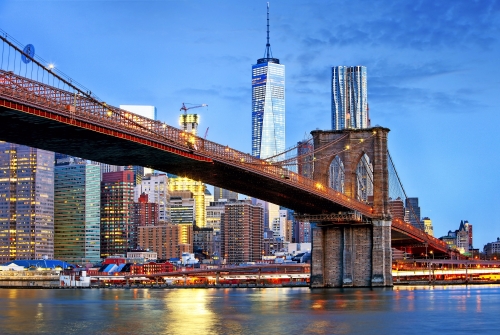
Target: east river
{"x": 398, "y": 310}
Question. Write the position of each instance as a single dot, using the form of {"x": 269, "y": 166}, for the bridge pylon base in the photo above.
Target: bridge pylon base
{"x": 352, "y": 255}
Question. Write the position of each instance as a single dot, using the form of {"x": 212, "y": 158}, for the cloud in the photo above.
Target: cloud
{"x": 419, "y": 25}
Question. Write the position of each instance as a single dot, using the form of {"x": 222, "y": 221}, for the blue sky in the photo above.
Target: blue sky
{"x": 433, "y": 76}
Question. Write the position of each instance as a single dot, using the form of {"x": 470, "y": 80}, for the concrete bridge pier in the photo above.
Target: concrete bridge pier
{"x": 352, "y": 255}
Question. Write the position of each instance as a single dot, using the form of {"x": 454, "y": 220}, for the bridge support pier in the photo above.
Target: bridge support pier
{"x": 352, "y": 255}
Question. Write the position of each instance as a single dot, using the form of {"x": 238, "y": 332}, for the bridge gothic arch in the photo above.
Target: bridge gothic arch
{"x": 351, "y": 146}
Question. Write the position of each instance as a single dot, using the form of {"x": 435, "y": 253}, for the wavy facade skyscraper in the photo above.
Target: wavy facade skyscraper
{"x": 349, "y": 98}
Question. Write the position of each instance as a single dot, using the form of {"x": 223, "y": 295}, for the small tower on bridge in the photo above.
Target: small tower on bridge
{"x": 347, "y": 253}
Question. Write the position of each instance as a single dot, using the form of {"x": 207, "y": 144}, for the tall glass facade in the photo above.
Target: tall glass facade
{"x": 117, "y": 209}
{"x": 26, "y": 202}
{"x": 77, "y": 200}
{"x": 349, "y": 98}
{"x": 198, "y": 190}
{"x": 268, "y": 108}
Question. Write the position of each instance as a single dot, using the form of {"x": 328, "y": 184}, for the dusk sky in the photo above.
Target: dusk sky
{"x": 433, "y": 76}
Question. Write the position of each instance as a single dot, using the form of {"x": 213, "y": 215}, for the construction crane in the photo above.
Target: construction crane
{"x": 185, "y": 109}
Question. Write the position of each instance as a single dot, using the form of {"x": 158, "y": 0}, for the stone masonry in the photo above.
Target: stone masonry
{"x": 346, "y": 254}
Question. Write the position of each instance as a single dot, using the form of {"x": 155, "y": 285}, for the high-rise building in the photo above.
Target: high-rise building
{"x": 220, "y": 193}
{"x": 412, "y": 212}
{"x": 77, "y": 200}
{"x": 117, "y": 208}
{"x": 428, "y": 226}
{"x": 302, "y": 232}
{"x": 146, "y": 213}
{"x": 241, "y": 232}
{"x": 268, "y": 104}
{"x": 349, "y": 98}
{"x": 155, "y": 186}
{"x": 167, "y": 240}
{"x": 182, "y": 207}
{"x": 198, "y": 190}
{"x": 26, "y": 203}
{"x": 397, "y": 209}
{"x": 214, "y": 214}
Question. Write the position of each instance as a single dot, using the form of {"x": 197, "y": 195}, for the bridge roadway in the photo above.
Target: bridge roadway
{"x": 46, "y": 117}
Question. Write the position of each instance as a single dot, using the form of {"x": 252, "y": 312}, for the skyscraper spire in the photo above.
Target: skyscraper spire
{"x": 268, "y": 55}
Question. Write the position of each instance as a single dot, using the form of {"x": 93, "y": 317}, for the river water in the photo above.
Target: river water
{"x": 398, "y": 310}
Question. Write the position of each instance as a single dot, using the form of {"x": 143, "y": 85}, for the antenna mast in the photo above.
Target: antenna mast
{"x": 268, "y": 45}
{"x": 268, "y": 54}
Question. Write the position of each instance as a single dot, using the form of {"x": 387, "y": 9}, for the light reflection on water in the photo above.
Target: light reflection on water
{"x": 403, "y": 310}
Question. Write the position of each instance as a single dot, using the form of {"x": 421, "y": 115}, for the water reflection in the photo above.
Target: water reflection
{"x": 251, "y": 311}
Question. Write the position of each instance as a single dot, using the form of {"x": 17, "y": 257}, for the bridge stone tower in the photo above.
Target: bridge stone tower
{"x": 353, "y": 254}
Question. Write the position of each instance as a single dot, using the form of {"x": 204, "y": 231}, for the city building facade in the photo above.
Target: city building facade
{"x": 167, "y": 240}
{"x": 241, "y": 232}
{"x": 77, "y": 200}
{"x": 26, "y": 203}
{"x": 117, "y": 208}
{"x": 197, "y": 188}
{"x": 155, "y": 186}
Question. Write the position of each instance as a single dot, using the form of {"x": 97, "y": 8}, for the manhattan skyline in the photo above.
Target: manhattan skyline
{"x": 433, "y": 77}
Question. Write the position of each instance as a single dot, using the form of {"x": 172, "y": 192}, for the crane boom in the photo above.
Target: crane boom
{"x": 185, "y": 109}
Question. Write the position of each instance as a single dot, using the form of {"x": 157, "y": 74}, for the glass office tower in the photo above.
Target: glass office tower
{"x": 26, "y": 202}
{"x": 349, "y": 98}
{"x": 77, "y": 198}
{"x": 268, "y": 104}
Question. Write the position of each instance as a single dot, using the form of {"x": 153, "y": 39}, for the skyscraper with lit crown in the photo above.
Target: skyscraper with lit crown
{"x": 268, "y": 104}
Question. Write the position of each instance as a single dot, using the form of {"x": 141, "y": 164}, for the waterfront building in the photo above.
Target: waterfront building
{"x": 26, "y": 203}
{"x": 461, "y": 238}
{"x": 117, "y": 208}
{"x": 155, "y": 186}
{"x": 197, "y": 188}
{"x": 349, "y": 98}
{"x": 77, "y": 200}
{"x": 492, "y": 249}
{"x": 428, "y": 226}
{"x": 167, "y": 240}
{"x": 241, "y": 232}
